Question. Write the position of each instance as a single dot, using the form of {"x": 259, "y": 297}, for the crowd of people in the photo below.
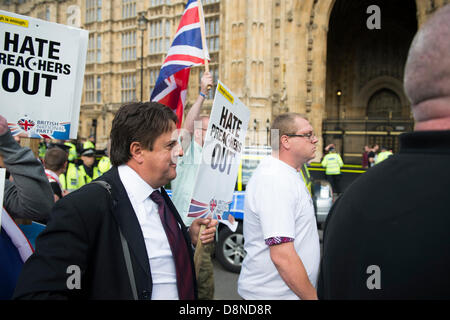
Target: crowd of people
{"x": 82, "y": 163}
{"x": 118, "y": 235}
{"x": 374, "y": 155}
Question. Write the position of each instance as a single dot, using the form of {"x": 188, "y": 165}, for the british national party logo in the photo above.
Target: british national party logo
{"x": 25, "y": 124}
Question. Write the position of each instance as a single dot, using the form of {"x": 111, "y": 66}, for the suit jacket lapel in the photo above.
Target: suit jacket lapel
{"x": 127, "y": 219}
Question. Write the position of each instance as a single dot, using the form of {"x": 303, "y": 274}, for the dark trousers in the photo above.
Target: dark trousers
{"x": 334, "y": 179}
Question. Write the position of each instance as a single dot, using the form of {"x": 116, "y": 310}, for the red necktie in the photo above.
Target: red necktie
{"x": 178, "y": 245}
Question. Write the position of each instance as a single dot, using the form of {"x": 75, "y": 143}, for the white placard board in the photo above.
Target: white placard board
{"x": 221, "y": 155}
{"x": 42, "y": 71}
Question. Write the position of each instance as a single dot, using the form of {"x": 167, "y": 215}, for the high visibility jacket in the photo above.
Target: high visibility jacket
{"x": 332, "y": 163}
{"x": 72, "y": 151}
{"x": 104, "y": 164}
{"x": 383, "y": 156}
{"x": 83, "y": 178}
{"x": 88, "y": 145}
{"x": 42, "y": 150}
{"x": 69, "y": 180}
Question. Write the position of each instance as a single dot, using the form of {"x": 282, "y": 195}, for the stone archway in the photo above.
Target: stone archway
{"x": 390, "y": 86}
{"x": 366, "y": 67}
{"x": 357, "y": 56}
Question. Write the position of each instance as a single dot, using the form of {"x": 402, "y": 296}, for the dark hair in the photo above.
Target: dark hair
{"x": 141, "y": 122}
{"x": 55, "y": 159}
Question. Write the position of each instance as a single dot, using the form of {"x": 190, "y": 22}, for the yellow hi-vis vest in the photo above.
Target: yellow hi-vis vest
{"x": 104, "y": 164}
{"x": 83, "y": 178}
{"x": 72, "y": 151}
{"x": 88, "y": 145}
{"x": 332, "y": 163}
{"x": 69, "y": 180}
{"x": 42, "y": 150}
{"x": 383, "y": 156}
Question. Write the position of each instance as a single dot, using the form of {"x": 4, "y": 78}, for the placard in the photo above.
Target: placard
{"x": 221, "y": 155}
{"x": 42, "y": 71}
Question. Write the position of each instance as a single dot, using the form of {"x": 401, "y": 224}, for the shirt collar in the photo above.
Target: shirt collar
{"x": 283, "y": 164}
{"x": 135, "y": 186}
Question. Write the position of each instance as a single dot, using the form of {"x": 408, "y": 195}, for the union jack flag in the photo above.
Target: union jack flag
{"x": 25, "y": 124}
{"x": 186, "y": 51}
{"x": 199, "y": 209}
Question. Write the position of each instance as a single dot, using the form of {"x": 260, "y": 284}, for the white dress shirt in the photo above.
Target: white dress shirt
{"x": 162, "y": 264}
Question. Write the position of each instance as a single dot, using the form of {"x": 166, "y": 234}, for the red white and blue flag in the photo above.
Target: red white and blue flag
{"x": 186, "y": 51}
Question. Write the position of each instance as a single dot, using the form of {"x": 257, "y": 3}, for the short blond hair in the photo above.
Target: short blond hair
{"x": 285, "y": 124}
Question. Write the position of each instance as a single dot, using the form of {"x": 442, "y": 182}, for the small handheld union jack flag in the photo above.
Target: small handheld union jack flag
{"x": 186, "y": 51}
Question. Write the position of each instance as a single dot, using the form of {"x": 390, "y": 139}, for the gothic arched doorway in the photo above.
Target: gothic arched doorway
{"x": 384, "y": 104}
{"x": 364, "y": 95}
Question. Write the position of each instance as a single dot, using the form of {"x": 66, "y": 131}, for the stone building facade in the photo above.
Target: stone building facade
{"x": 338, "y": 62}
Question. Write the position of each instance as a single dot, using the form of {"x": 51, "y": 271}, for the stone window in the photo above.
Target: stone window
{"x": 159, "y": 36}
{"x": 129, "y": 46}
{"x": 212, "y": 34}
{"x": 128, "y": 88}
{"x": 93, "y": 10}
{"x": 128, "y": 9}
{"x": 94, "y": 50}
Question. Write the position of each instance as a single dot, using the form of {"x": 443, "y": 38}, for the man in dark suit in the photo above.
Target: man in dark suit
{"x": 129, "y": 243}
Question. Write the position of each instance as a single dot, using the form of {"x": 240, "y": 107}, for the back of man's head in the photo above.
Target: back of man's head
{"x": 138, "y": 122}
{"x": 55, "y": 159}
{"x": 427, "y": 70}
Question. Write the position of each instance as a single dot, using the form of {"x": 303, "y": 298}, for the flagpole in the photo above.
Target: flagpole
{"x": 199, "y": 248}
{"x": 203, "y": 33}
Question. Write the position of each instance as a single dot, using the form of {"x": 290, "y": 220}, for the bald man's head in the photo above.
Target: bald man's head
{"x": 427, "y": 70}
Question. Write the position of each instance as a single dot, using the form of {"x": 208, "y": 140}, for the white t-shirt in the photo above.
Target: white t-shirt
{"x": 277, "y": 204}
{"x": 162, "y": 264}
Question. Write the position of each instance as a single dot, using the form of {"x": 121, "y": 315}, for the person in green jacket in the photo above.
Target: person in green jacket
{"x": 332, "y": 162}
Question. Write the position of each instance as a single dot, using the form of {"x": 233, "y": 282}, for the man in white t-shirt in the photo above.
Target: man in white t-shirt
{"x": 280, "y": 230}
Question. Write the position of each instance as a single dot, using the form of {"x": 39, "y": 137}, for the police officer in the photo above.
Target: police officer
{"x": 72, "y": 150}
{"x": 69, "y": 180}
{"x": 87, "y": 171}
{"x": 104, "y": 164}
{"x": 383, "y": 155}
{"x": 332, "y": 162}
{"x": 89, "y": 144}
{"x": 42, "y": 149}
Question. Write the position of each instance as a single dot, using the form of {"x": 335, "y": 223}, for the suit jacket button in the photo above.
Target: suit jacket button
{"x": 146, "y": 295}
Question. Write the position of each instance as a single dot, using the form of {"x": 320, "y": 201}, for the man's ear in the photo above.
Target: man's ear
{"x": 284, "y": 142}
{"x": 136, "y": 152}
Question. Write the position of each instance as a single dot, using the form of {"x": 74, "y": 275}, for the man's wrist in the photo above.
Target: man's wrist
{"x": 202, "y": 94}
